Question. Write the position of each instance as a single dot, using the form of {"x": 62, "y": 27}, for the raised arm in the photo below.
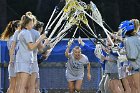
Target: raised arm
{"x": 67, "y": 52}
{"x": 12, "y": 51}
{"x": 13, "y": 46}
{"x": 85, "y": 46}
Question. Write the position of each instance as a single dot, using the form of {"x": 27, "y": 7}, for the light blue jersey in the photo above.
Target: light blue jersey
{"x": 111, "y": 67}
{"x": 11, "y": 67}
{"x": 24, "y": 57}
{"x": 75, "y": 68}
{"x": 35, "y": 35}
{"x": 132, "y": 45}
{"x": 23, "y": 53}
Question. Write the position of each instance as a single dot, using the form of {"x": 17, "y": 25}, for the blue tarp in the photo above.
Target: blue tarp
{"x": 4, "y": 52}
{"x": 57, "y": 54}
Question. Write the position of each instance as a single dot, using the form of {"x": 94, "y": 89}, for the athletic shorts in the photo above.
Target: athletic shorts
{"x": 26, "y": 67}
{"x": 71, "y": 77}
{"x": 11, "y": 70}
{"x": 113, "y": 76}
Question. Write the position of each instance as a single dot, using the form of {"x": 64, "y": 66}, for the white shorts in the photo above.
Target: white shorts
{"x": 11, "y": 70}
{"x": 71, "y": 77}
{"x": 26, "y": 67}
{"x": 38, "y": 76}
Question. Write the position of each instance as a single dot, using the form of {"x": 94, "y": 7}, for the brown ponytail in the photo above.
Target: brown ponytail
{"x": 9, "y": 30}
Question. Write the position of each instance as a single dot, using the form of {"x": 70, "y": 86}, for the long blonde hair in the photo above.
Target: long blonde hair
{"x": 25, "y": 19}
{"x": 136, "y": 24}
{"x": 33, "y": 17}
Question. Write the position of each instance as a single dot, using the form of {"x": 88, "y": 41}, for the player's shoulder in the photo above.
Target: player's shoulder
{"x": 84, "y": 56}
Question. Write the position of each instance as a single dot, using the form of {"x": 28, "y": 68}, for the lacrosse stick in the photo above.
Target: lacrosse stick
{"x": 50, "y": 19}
{"x": 59, "y": 31}
{"x": 108, "y": 26}
{"x": 96, "y": 16}
{"x": 64, "y": 16}
{"x": 55, "y": 18}
{"x": 54, "y": 44}
{"x": 83, "y": 30}
{"x": 72, "y": 38}
{"x": 58, "y": 24}
{"x": 87, "y": 35}
{"x": 65, "y": 35}
{"x": 98, "y": 50}
{"x": 68, "y": 25}
{"x": 56, "y": 41}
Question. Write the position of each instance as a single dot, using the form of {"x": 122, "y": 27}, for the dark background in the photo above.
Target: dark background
{"x": 113, "y": 11}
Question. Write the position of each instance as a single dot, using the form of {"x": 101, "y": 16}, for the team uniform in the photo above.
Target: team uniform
{"x": 111, "y": 68}
{"x": 132, "y": 45}
{"x": 24, "y": 57}
{"x": 35, "y": 35}
{"x": 75, "y": 68}
{"x": 122, "y": 62}
{"x": 11, "y": 67}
